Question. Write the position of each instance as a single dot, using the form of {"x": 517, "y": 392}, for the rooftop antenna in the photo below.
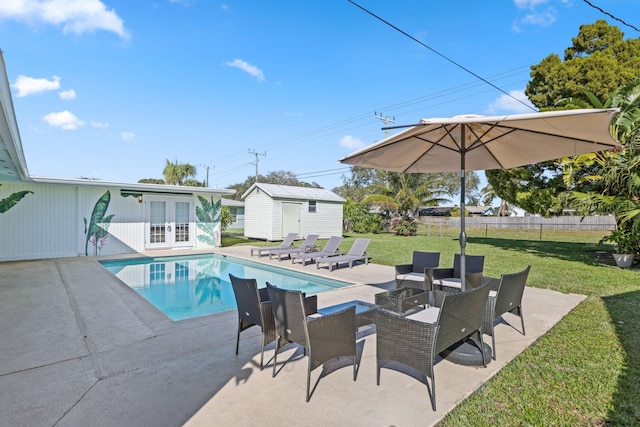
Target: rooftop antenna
{"x": 386, "y": 121}
{"x": 255, "y": 153}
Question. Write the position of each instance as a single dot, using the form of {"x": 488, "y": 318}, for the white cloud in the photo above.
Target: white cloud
{"x": 29, "y": 86}
{"x": 99, "y": 125}
{"x": 67, "y": 94}
{"x": 351, "y": 143}
{"x": 128, "y": 136}
{"x": 64, "y": 120}
{"x": 252, "y": 70}
{"x": 528, "y": 4}
{"x": 507, "y": 104}
{"x": 75, "y": 16}
{"x": 537, "y": 15}
{"x": 540, "y": 19}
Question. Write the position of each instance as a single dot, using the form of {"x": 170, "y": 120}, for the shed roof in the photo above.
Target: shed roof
{"x": 276, "y": 191}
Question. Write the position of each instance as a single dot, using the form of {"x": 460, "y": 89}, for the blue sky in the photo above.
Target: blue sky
{"x": 111, "y": 89}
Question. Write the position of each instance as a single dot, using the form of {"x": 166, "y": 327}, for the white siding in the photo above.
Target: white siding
{"x": 41, "y": 225}
{"x": 258, "y": 216}
{"x": 275, "y": 228}
{"x": 263, "y": 217}
{"x": 326, "y": 221}
{"x": 50, "y": 223}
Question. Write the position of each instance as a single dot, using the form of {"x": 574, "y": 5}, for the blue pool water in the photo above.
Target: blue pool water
{"x": 191, "y": 286}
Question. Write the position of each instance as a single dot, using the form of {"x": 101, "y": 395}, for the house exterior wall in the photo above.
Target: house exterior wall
{"x": 54, "y": 221}
{"x": 238, "y": 214}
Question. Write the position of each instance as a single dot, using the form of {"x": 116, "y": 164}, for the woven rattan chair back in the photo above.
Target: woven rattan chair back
{"x": 254, "y": 309}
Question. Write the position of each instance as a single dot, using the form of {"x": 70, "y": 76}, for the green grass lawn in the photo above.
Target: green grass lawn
{"x": 586, "y": 370}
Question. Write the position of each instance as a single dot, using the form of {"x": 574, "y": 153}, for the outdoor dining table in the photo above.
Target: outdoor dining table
{"x": 402, "y": 300}
{"x": 365, "y": 312}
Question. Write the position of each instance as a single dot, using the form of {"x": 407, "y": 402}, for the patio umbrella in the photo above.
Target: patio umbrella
{"x": 471, "y": 142}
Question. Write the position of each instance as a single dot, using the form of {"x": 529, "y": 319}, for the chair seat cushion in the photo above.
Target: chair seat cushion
{"x": 429, "y": 315}
{"x": 417, "y": 277}
{"x": 452, "y": 282}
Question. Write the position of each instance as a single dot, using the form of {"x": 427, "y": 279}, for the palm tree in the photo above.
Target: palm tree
{"x": 175, "y": 173}
{"x": 403, "y": 194}
{"x": 612, "y": 179}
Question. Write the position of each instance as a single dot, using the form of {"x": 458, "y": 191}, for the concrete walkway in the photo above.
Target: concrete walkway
{"x": 79, "y": 348}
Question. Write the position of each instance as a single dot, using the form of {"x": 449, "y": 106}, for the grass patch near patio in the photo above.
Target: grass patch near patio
{"x": 585, "y": 370}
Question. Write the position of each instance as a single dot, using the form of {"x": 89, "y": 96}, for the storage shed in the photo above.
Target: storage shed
{"x": 272, "y": 211}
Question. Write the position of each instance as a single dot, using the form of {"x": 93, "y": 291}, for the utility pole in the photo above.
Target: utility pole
{"x": 386, "y": 121}
{"x": 257, "y": 160}
{"x": 206, "y": 183}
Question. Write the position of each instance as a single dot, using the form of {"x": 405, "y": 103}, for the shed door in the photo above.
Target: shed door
{"x": 290, "y": 218}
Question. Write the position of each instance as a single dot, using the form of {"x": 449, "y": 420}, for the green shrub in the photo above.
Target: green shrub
{"x": 405, "y": 226}
{"x": 359, "y": 219}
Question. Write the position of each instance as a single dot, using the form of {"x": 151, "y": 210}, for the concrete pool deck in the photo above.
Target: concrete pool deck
{"x": 80, "y": 348}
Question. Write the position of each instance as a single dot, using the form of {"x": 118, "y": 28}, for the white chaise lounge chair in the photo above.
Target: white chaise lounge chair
{"x": 309, "y": 244}
{"x": 330, "y": 248}
{"x": 356, "y": 253}
{"x": 286, "y": 243}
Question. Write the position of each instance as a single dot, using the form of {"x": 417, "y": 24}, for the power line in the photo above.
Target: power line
{"x": 434, "y": 99}
{"x": 441, "y": 55}
{"x": 332, "y": 171}
{"x": 610, "y": 15}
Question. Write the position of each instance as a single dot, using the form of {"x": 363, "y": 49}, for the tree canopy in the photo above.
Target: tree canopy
{"x": 175, "y": 173}
{"x": 598, "y": 62}
{"x": 281, "y": 177}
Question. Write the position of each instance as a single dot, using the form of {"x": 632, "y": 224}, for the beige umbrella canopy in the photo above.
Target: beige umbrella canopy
{"x": 471, "y": 142}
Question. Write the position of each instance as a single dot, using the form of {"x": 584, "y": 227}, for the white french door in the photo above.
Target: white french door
{"x": 169, "y": 223}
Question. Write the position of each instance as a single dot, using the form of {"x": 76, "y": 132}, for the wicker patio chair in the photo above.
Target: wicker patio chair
{"x": 323, "y": 338}
{"x": 416, "y": 340}
{"x": 450, "y": 277}
{"x": 418, "y": 274}
{"x": 505, "y": 297}
{"x": 254, "y": 309}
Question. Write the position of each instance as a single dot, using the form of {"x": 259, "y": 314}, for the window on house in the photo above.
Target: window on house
{"x": 312, "y": 206}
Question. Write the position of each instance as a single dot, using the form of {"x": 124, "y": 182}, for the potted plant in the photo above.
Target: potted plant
{"x": 627, "y": 245}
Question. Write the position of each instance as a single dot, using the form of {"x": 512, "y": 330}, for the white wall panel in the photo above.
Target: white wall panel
{"x": 258, "y": 216}
{"x": 50, "y": 223}
{"x": 41, "y": 225}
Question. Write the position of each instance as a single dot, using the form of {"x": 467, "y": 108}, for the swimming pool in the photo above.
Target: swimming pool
{"x": 183, "y": 287}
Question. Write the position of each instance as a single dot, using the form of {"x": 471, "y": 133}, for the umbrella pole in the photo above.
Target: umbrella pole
{"x": 463, "y": 234}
